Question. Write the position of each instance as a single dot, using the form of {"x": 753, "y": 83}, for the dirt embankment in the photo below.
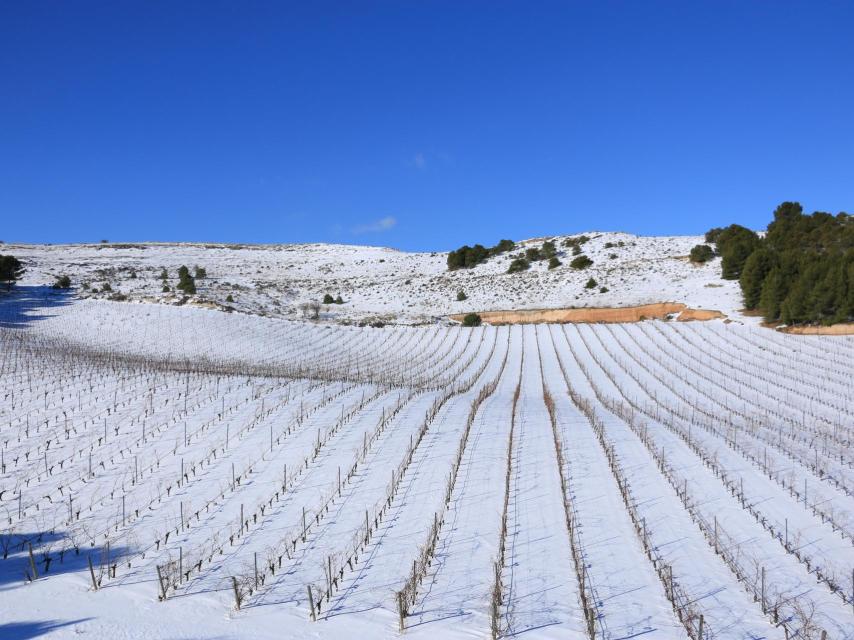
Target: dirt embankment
{"x": 659, "y": 310}
{"x": 842, "y": 329}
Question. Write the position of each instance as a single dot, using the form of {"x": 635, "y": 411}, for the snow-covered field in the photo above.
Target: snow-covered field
{"x": 388, "y": 285}
{"x": 162, "y": 463}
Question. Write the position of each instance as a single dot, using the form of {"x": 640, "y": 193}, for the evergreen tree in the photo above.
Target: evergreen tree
{"x": 757, "y": 267}
{"x": 10, "y": 270}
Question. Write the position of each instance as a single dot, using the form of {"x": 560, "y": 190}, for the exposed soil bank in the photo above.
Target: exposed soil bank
{"x": 842, "y": 329}
{"x": 659, "y": 310}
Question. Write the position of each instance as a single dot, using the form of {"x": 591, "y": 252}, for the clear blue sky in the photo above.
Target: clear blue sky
{"x": 419, "y": 125}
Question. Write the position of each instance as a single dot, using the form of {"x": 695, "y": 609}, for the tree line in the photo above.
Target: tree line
{"x": 801, "y": 270}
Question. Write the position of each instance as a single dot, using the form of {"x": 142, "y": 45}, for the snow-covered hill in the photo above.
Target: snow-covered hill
{"x": 385, "y": 284}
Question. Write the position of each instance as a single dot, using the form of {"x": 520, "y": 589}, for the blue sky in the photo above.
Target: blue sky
{"x": 418, "y": 125}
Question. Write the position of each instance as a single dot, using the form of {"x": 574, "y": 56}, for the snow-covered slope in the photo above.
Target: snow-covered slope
{"x": 389, "y": 285}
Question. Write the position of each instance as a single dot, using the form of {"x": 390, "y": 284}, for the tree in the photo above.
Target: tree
{"x": 339, "y": 299}
{"x": 591, "y": 284}
{"x": 735, "y": 244}
{"x": 201, "y": 272}
{"x": 11, "y": 270}
{"x": 164, "y": 275}
{"x": 461, "y": 295}
{"x": 328, "y": 299}
{"x": 712, "y": 234}
{"x": 186, "y": 282}
{"x": 62, "y": 282}
{"x": 471, "y": 320}
{"x": 581, "y": 262}
{"x": 701, "y": 253}
{"x": 757, "y": 267}
{"x": 554, "y": 263}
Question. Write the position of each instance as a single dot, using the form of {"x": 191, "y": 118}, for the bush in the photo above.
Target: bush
{"x": 339, "y": 300}
{"x": 613, "y": 256}
{"x": 62, "y": 282}
{"x": 467, "y": 257}
{"x": 554, "y": 263}
{"x": 532, "y": 254}
{"x": 201, "y": 272}
{"x": 471, "y": 320}
{"x": 591, "y": 284}
{"x": 603, "y": 290}
{"x": 328, "y": 299}
{"x": 229, "y": 298}
{"x": 164, "y": 275}
{"x": 519, "y": 264}
{"x": 106, "y": 288}
{"x": 461, "y": 295}
{"x": 581, "y": 262}
{"x": 610, "y": 245}
{"x": 701, "y": 253}
{"x": 549, "y": 250}
{"x": 576, "y": 250}
{"x": 165, "y": 288}
{"x": 503, "y": 246}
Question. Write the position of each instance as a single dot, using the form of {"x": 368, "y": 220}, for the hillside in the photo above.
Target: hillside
{"x": 381, "y": 284}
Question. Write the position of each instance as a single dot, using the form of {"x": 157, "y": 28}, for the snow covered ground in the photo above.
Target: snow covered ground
{"x": 380, "y": 284}
{"x": 161, "y": 463}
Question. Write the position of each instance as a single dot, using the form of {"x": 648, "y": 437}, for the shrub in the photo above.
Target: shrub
{"x": 503, "y": 246}
{"x": 610, "y": 245}
{"x": 471, "y": 320}
{"x": 328, "y": 299}
{"x": 201, "y": 272}
{"x": 62, "y": 282}
{"x": 106, "y": 287}
{"x": 701, "y": 253}
{"x": 339, "y": 300}
{"x": 613, "y": 256}
{"x": 163, "y": 274}
{"x": 229, "y": 298}
{"x": 554, "y": 263}
{"x": 532, "y": 254}
{"x": 467, "y": 257}
{"x": 519, "y": 264}
{"x": 576, "y": 250}
{"x": 603, "y": 290}
{"x": 165, "y": 288}
{"x": 591, "y": 284}
{"x": 461, "y": 295}
{"x": 581, "y": 262}
{"x": 549, "y": 250}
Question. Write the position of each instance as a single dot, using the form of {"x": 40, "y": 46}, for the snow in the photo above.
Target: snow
{"x": 135, "y": 435}
{"x": 392, "y": 286}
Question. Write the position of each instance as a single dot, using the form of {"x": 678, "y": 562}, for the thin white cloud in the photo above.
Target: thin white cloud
{"x": 383, "y": 224}
{"x": 419, "y": 161}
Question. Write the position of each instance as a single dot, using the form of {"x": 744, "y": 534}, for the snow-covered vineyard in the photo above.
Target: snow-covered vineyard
{"x": 183, "y": 473}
